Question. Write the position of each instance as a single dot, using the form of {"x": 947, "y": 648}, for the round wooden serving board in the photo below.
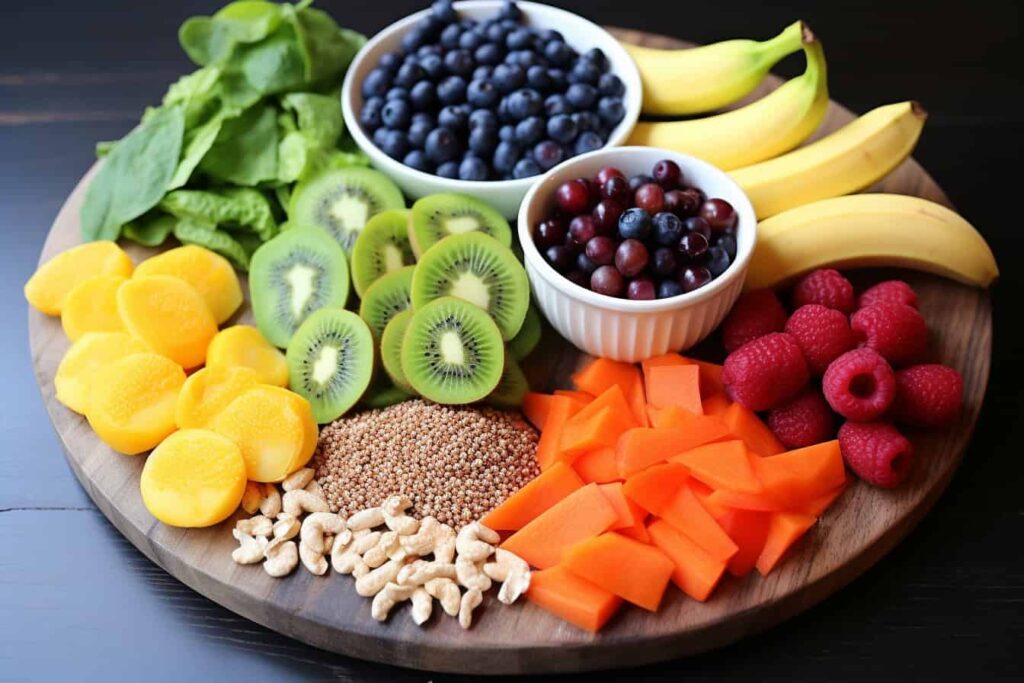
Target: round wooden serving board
{"x": 860, "y": 528}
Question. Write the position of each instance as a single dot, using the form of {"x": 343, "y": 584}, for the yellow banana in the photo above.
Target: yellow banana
{"x": 701, "y": 79}
{"x": 850, "y": 159}
{"x": 771, "y": 126}
{"x": 870, "y": 230}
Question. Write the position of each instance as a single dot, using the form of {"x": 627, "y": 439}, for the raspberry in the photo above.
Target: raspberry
{"x": 927, "y": 396}
{"x": 804, "y": 421}
{"x": 888, "y": 292}
{"x": 826, "y": 287}
{"x": 896, "y": 331}
{"x": 859, "y": 385}
{"x": 764, "y": 372}
{"x": 876, "y": 452}
{"x": 756, "y": 314}
{"x": 822, "y": 333}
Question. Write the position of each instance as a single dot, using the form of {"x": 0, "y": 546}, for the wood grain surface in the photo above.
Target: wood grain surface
{"x": 325, "y": 612}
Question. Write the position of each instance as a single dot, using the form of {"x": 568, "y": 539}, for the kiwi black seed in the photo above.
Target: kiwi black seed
{"x": 512, "y": 386}
{"x": 330, "y": 361}
{"x": 385, "y": 298}
{"x": 478, "y": 269}
{"x": 526, "y": 340}
{"x": 452, "y": 352}
{"x": 341, "y": 201}
{"x": 291, "y": 276}
{"x": 382, "y": 247}
{"x": 437, "y": 216}
{"x": 391, "y": 348}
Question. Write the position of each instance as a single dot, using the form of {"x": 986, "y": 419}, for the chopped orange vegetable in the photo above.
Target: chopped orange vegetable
{"x": 722, "y": 465}
{"x": 704, "y": 493}
{"x": 783, "y": 531}
{"x": 796, "y": 477}
{"x": 629, "y": 513}
{"x": 582, "y": 514}
{"x": 638, "y": 532}
{"x": 760, "y": 502}
{"x": 748, "y": 530}
{"x": 674, "y": 385}
{"x": 695, "y": 572}
{"x": 663, "y": 360}
{"x": 642, "y": 447}
{"x": 637, "y": 398}
{"x": 598, "y": 424}
{"x": 583, "y": 397}
{"x": 636, "y": 572}
{"x": 538, "y": 495}
{"x": 572, "y": 598}
{"x": 598, "y": 466}
{"x": 549, "y": 445}
{"x": 715, "y": 404}
{"x": 667, "y": 418}
{"x": 823, "y": 502}
{"x": 603, "y": 373}
{"x": 686, "y": 513}
{"x": 655, "y": 487}
{"x": 744, "y": 424}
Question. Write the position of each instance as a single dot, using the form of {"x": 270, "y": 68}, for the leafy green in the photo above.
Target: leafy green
{"x": 206, "y": 235}
{"x": 212, "y": 40}
{"x": 150, "y": 230}
{"x": 318, "y": 117}
{"x": 245, "y": 152}
{"x": 235, "y": 207}
{"x": 328, "y": 49}
{"x": 134, "y": 176}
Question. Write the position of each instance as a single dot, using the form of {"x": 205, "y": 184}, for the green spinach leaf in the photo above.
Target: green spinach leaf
{"x": 206, "y": 235}
{"x": 245, "y": 152}
{"x": 150, "y": 230}
{"x": 236, "y": 207}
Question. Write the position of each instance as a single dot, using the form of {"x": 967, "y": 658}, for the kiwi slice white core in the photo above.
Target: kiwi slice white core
{"x": 325, "y": 365}
{"x": 392, "y": 258}
{"x": 301, "y": 279}
{"x": 453, "y": 352}
{"x": 351, "y": 212}
{"x": 456, "y": 225}
{"x": 469, "y": 287}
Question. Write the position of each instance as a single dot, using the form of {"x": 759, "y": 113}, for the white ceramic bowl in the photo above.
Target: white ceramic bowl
{"x": 505, "y": 195}
{"x": 622, "y": 329}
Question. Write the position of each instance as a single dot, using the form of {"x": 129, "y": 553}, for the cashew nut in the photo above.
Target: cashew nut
{"x": 421, "y": 571}
{"x": 512, "y": 571}
{"x": 298, "y": 501}
{"x": 348, "y": 562}
{"x": 253, "y": 497}
{"x": 395, "y": 518}
{"x": 366, "y": 519}
{"x": 259, "y": 525}
{"x": 447, "y": 593}
{"x": 379, "y": 554}
{"x": 298, "y": 479}
{"x": 431, "y": 537}
{"x": 315, "y": 525}
{"x": 422, "y": 605}
{"x": 470, "y": 601}
{"x": 312, "y": 560}
{"x": 444, "y": 551}
{"x": 281, "y": 559}
{"x": 374, "y": 581}
{"x": 250, "y": 549}
{"x": 328, "y": 543}
{"x": 470, "y": 575}
{"x": 315, "y": 488}
{"x": 386, "y": 598}
{"x": 286, "y": 528}
{"x": 474, "y": 542}
{"x": 364, "y": 541}
{"x": 271, "y": 505}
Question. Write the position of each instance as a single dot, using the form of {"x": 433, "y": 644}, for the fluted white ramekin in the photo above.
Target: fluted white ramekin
{"x": 622, "y": 329}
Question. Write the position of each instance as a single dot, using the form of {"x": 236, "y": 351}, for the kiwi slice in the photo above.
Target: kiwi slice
{"x": 391, "y": 348}
{"x": 452, "y": 352}
{"x": 342, "y": 200}
{"x": 298, "y": 272}
{"x": 386, "y": 297}
{"x": 437, "y": 216}
{"x": 479, "y": 269}
{"x": 512, "y": 386}
{"x": 528, "y": 337}
{"x": 330, "y": 361}
{"x": 383, "y": 393}
{"x": 382, "y": 247}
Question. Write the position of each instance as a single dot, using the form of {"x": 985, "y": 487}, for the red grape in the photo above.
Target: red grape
{"x": 608, "y": 281}
{"x": 650, "y": 198}
{"x": 601, "y": 250}
{"x": 719, "y": 214}
{"x": 607, "y": 173}
{"x": 694, "y": 277}
{"x": 667, "y": 174}
{"x": 606, "y": 216}
{"x": 687, "y": 202}
{"x": 616, "y": 188}
{"x": 549, "y": 232}
{"x": 582, "y": 229}
{"x": 578, "y": 277}
{"x": 559, "y": 257}
{"x": 640, "y": 289}
{"x": 698, "y": 225}
{"x": 573, "y": 196}
{"x": 693, "y": 245}
{"x": 665, "y": 261}
{"x": 639, "y": 180}
{"x": 631, "y": 257}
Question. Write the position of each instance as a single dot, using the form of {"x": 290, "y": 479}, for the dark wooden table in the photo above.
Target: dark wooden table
{"x": 77, "y": 601}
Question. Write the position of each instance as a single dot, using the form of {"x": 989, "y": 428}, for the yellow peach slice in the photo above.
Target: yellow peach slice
{"x": 243, "y": 345}
{"x": 209, "y": 272}
{"x": 169, "y": 315}
{"x": 132, "y": 403}
{"x": 48, "y": 288}
{"x": 208, "y": 391}
{"x": 94, "y": 351}
{"x": 92, "y": 307}
{"x": 273, "y": 427}
{"x": 194, "y": 478}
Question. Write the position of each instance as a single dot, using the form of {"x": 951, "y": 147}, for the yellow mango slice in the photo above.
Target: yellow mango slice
{"x": 243, "y": 345}
{"x": 210, "y": 273}
{"x": 169, "y": 315}
{"x": 94, "y": 351}
{"x": 92, "y": 307}
{"x": 132, "y": 403}
{"x": 208, "y": 391}
{"x": 194, "y": 478}
{"x": 274, "y": 428}
{"x": 48, "y": 288}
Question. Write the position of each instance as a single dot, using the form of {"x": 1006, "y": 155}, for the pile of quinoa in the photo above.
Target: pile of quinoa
{"x": 455, "y": 463}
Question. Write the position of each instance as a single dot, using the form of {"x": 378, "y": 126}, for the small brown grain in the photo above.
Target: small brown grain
{"x": 455, "y": 463}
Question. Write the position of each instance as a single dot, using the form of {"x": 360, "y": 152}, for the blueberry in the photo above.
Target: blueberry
{"x": 433, "y": 50}
{"x": 450, "y": 36}
{"x": 431, "y": 27}
{"x": 559, "y": 81}
{"x": 510, "y": 24}
{"x": 558, "y": 53}
{"x": 376, "y": 83}
{"x": 611, "y": 85}
{"x": 665, "y": 261}
{"x": 596, "y": 56}
{"x": 390, "y": 62}
{"x": 433, "y": 64}
{"x": 557, "y": 104}
{"x": 668, "y": 288}
{"x": 611, "y": 110}
{"x": 422, "y": 96}
{"x": 369, "y": 116}
{"x": 509, "y": 77}
{"x": 523, "y": 103}
{"x": 418, "y": 131}
{"x": 635, "y": 223}
{"x": 482, "y": 93}
{"x": 482, "y": 72}
{"x": 581, "y": 95}
{"x": 549, "y": 34}
{"x": 379, "y": 135}
{"x": 453, "y": 118}
{"x": 483, "y": 140}
{"x": 728, "y": 244}
{"x": 586, "y": 120}
{"x": 717, "y": 261}
{"x": 488, "y": 53}
{"x": 524, "y": 58}
{"x": 443, "y": 10}
{"x": 418, "y": 160}
{"x": 396, "y": 93}
{"x": 483, "y": 118}
{"x": 519, "y": 39}
{"x": 507, "y": 133}
{"x": 449, "y": 169}
{"x": 396, "y": 113}
{"x": 530, "y": 130}
{"x": 470, "y": 40}
{"x": 505, "y": 156}
{"x": 452, "y": 90}
{"x": 537, "y": 78}
{"x": 585, "y": 264}
{"x": 496, "y": 33}
{"x": 416, "y": 37}
{"x": 459, "y": 62}
{"x": 423, "y": 117}
{"x": 510, "y": 10}
{"x": 589, "y": 141}
{"x": 472, "y": 168}
{"x": 525, "y": 168}
{"x": 667, "y": 228}
{"x": 442, "y": 145}
{"x": 395, "y": 144}
{"x": 548, "y": 154}
{"x": 585, "y": 72}
{"x": 562, "y": 128}
{"x": 408, "y": 74}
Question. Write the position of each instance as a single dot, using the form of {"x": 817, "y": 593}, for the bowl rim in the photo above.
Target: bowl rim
{"x": 543, "y": 269}
{"x": 632, "y": 99}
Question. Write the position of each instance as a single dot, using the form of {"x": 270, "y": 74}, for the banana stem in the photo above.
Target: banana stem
{"x": 790, "y": 40}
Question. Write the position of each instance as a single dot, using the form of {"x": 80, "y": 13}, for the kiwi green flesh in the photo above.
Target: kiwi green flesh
{"x": 330, "y": 362}
{"x": 475, "y": 268}
{"x": 526, "y": 340}
{"x": 511, "y": 388}
{"x": 293, "y": 275}
{"x": 341, "y": 201}
{"x": 391, "y": 348}
{"x": 437, "y": 216}
{"x": 382, "y": 247}
{"x": 452, "y": 352}
{"x": 385, "y": 298}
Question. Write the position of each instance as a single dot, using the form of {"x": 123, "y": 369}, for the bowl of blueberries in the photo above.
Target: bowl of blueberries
{"x": 633, "y": 252}
{"x": 483, "y": 96}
